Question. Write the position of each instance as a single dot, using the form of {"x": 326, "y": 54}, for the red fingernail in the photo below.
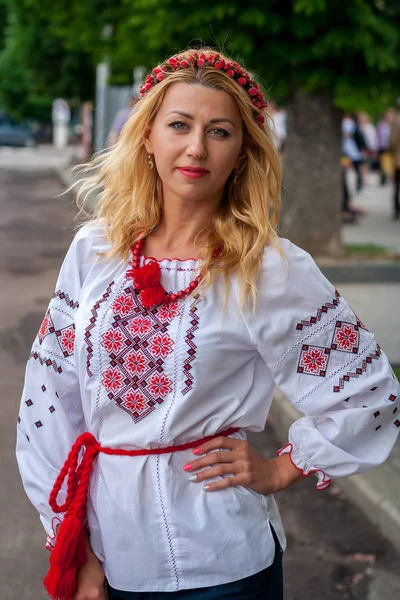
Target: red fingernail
{"x": 197, "y": 451}
{"x": 187, "y": 468}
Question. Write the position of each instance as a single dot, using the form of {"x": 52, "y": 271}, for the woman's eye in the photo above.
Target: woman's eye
{"x": 178, "y": 125}
{"x": 219, "y": 132}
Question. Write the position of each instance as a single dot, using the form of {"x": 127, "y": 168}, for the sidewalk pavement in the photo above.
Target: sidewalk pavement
{"x": 377, "y": 492}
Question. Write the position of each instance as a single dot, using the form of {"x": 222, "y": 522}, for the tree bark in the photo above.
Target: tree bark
{"x": 311, "y": 209}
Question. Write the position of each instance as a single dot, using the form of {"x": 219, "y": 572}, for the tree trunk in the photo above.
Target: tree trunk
{"x": 312, "y": 192}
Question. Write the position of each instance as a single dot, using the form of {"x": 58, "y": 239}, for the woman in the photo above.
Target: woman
{"x": 187, "y": 310}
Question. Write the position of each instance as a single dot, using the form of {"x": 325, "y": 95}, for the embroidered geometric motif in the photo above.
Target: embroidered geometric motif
{"x": 359, "y": 371}
{"x": 397, "y": 423}
{"x": 28, "y": 402}
{"x": 346, "y": 337}
{"x": 93, "y": 319}
{"x": 376, "y": 414}
{"x": 46, "y": 361}
{"x": 51, "y": 409}
{"x": 392, "y": 397}
{"x": 66, "y": 339}
{"x": 64, "y": 296}
{"x": 324, "y": 309}
{"x": 360, "y": 323}
{"x": 46, "y": 327}
{"x": 39, "y": 424}
{"x": 313, "y": 360}
{"x": 43, "y": 388}
{"x": 137, "y": 344}
{"x": 189, "y": 339}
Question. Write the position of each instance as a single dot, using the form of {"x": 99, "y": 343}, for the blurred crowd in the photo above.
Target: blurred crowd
{"x": 369, "y": 146}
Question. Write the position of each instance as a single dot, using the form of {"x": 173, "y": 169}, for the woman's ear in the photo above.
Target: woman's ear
{"x": 147, "y": 138}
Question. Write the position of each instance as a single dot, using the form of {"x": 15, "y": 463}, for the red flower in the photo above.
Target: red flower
{"x": 160, "y": 76}
{"x": 135, "y": 402}
{"x": 113, "y": 340}
{"x": 242, "y": 81}
{"x": 156, "y": 70}
{"x": 159, "y": 385}
{"x": 230, "y": 73}
{"x": 260, "y": 119}
{"x": 200, "y": 62}
{"x": 148, "y": 86}
{"x": 184, "y": 64}
{"x": 172, "y": 61}
{"x": 253, "y": 91}
{"x": 44, "y": 326}
{"x": 112, "y": 379}
{"x": 161, "y": 345}
{"x": 257, "y": 103}
{"x": 140, "y": 325}
{"x": 123, "y": 304}
{"x": 135, "y": 362}
{"x": 219, "y": 64}
{"x": 67, "y": 340}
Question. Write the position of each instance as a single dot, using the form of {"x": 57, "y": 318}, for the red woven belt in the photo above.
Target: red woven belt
{"x": 69, "y": 553}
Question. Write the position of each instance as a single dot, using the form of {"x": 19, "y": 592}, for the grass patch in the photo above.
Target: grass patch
{"x": 397, "y": 372}
{"x": 370, "y": 251}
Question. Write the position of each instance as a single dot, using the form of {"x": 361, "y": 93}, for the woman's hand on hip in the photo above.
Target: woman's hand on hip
{"x": 240, "y": 464}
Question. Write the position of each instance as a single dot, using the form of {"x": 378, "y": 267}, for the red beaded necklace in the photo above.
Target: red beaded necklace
{"x": 147, "y": 281}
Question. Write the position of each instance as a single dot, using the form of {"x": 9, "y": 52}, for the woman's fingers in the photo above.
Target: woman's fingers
{"x": 216, "y": 471}
{"x": 211, "y": 459}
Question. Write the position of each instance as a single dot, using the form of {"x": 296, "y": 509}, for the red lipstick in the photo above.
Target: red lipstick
{"x": 193, "y": 172}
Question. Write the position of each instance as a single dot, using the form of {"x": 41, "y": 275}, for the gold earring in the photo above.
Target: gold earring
{"x": 151, "y": 163}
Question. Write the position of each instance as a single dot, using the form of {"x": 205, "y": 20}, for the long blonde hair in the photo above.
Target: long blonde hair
{"x": 129, "y": 194}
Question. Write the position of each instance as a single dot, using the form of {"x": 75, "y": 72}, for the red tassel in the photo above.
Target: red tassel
{"x": 68, "y": 556}
{"x": 152, "y": 296}
{"x": 147, "y": 276}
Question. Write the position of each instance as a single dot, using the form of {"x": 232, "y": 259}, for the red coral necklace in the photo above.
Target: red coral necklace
{"x": 147, "y": 281}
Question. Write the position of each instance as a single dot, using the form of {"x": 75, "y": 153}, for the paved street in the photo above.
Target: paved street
{"x": 334, "y": 553}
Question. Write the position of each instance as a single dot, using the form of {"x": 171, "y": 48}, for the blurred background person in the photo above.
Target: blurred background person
{"x": 279, "y": 120}
{"x": 119, "y": 121}
{"x": 353, "y": 145}
{"x": 394, "y": 145}
{"x": 383, "y": 133}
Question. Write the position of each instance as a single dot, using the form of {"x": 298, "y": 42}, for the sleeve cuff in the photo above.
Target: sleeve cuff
{"x": 51, "y": 532}
{"x": 302, "y": 464}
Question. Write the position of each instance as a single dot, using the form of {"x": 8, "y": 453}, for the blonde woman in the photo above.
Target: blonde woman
{"x": 177, "y": 311}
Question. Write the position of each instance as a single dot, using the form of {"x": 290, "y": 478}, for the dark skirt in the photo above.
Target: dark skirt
{"x": 265, "y": 585}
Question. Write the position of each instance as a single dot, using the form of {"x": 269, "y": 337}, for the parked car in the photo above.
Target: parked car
{"x": 13, "y": 133}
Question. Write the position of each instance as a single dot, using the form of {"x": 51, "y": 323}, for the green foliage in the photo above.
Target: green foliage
{"x": 350, "y": 49}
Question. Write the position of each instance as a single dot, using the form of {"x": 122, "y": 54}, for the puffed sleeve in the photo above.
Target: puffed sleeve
{"x": 51, "y": 415}
{"x": 328, "y": 365}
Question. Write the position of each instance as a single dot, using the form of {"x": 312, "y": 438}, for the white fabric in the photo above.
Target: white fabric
{"x": 196, "y": 372}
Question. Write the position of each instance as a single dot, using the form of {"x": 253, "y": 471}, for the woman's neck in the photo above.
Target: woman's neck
{"x": 183, "y": 231}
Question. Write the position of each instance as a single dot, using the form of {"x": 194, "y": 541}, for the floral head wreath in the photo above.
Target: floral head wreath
{"x": 199, "y": 59}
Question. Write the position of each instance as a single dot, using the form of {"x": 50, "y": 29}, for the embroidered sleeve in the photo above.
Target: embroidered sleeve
{"x": 329, "y": 366}
{"x": 51, "y": 414}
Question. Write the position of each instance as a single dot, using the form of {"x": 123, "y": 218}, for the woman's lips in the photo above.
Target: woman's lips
{"x": 193, "y": 173}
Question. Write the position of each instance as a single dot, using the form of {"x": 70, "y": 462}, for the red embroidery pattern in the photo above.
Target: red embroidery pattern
{"x": 65, "y": 336}
{"x": 66, "y": 339}
{"x": 359, "y": 371}
{"x": 93, "y": 319}
{"x": 346, "y": 337}
{"x": 138, "y": 344}
{"x": 313, "y": 360}
{"x": 194, "y": 322}
{"x": 324, "y": 309}
{"x": 46, "y": 361}
{"x": 64, "y": 296}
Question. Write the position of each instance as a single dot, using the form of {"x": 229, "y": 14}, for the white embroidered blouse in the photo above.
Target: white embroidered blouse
{"x": 139, "y": 378}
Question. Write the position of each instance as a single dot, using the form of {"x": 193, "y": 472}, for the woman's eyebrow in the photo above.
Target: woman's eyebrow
{"x": 188, "y": 116}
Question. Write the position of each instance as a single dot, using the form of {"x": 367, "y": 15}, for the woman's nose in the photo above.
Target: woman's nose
{"x": 197, "y": 145}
